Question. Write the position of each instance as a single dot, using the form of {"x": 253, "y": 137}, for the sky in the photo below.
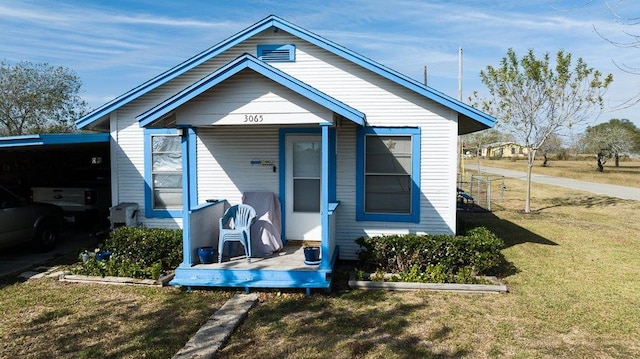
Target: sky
{"x": 114, "y": 46}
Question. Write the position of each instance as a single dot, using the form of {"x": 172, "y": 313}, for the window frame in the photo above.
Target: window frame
{"x": 414, "y": 214}
{"x": 150, "y": 211}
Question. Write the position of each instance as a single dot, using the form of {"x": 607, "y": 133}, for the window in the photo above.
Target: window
{"x": 163, "y": 158}
{"x": 277, "y": 53}
{"x": 388, "y": 174}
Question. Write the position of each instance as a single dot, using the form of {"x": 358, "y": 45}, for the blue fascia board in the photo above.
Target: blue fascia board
{"x": 274, "y": 21}
{"x": 174, "y": 72}
{"x": 53, "y": 139}
{"x": 243, "y": 62}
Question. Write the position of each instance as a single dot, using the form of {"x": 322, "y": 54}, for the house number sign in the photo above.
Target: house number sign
{"x": 253, "y": 118}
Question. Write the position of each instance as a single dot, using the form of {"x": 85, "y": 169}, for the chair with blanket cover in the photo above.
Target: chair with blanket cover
{"x": 235, "y": 227}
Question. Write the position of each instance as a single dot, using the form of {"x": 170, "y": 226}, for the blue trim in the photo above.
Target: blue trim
{"x": 234, "y": 67}
{"x": 282, "y": 137}
{"x": 192, "y": 165}
{"x": 149, "y": 212}
{"x": 272, "y": 22}
{"x": 250, "y": 278}
{"x": 325, "y": 190}
{"x": 414, "y": 216}
{"x": 274, "y": 53}
{"x": 54, "y": 139}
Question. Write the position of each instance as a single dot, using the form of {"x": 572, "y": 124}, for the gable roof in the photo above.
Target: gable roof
{"x": 247, "y": 61}
{"x": 479, "y": 119}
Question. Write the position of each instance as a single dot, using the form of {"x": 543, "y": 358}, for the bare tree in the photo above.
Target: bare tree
{"x": 553, "y": 144}
{"x": 629, "y": 40}
{"x": 533, "y": 98}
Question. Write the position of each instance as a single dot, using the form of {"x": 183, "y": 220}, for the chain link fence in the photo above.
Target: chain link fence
{"x": 484, "y": 188}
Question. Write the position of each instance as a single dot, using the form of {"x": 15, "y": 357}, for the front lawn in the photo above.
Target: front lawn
{"x": 574, "y": 293}
{"x": 45, "y": 318}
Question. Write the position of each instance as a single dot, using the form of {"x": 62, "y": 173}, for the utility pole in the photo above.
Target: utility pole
{"x": 460, "y": 73}
{"x": 425, "y": 75}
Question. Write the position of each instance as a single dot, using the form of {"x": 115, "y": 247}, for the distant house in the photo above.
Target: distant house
{"x": 504, "y": 150}
{"x": 348, "y": 148}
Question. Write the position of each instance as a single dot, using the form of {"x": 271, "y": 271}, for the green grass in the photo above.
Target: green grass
{"x": 49, "y": 319}
{"x": 573, "y": 281}
{"x": 573, "y": 294}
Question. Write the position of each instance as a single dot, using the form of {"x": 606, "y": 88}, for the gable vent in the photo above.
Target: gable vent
{"x": 277, "y": 53}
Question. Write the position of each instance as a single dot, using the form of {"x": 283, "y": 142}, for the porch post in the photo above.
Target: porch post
{"x": 185, "y": 133}
{"x": 324, "y": 200}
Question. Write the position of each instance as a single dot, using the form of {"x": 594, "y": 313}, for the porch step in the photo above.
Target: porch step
{"x": 198, "y": 277}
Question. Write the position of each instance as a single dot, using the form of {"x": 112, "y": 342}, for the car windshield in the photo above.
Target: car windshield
{"x": 7, "y": 198}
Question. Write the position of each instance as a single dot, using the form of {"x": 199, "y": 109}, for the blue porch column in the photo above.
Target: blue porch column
{"x": 324, "y": 199}
{"x": 189, "y": 195}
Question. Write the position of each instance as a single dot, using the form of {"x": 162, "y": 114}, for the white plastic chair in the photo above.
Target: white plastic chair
{"x": 235, "y": 226}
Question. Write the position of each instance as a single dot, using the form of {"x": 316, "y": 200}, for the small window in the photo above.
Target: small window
{"x": 166, "y": 172}
{"x": 388, "y": 174}
{"x": 163, "y": 173}
{"x": 277, "y": 53}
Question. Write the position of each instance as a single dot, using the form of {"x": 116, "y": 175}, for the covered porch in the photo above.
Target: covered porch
{"x": 285, "y": 268}
{"x": 224, "y": 127}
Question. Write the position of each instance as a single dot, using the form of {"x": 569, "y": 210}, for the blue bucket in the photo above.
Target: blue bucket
{"x": 103, "y": 256}
{"x": 206, "y": 255}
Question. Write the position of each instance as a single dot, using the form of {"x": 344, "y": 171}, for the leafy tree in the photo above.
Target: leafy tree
{"x": 533, "y": 98}
{"x": 633, "y": 130}
{"x": 37, "y": 98}
{"x": 609, "y": 140}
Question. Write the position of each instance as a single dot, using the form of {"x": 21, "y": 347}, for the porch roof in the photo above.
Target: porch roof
{"x": 470, "y": 119}
{"x": 248, "y": 61}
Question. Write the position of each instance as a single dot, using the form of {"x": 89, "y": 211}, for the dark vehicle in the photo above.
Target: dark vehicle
{"x": 21, "y": 222}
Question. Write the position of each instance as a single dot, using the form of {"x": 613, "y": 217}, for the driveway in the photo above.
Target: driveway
{"x": 631, "y": 193}
{"x": 19, "y": 259}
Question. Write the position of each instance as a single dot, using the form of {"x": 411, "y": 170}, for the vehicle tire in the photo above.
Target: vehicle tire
{"x": 46, "y": 236}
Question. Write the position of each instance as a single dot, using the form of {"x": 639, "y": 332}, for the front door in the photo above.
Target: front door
{"x": 303, "y": 170}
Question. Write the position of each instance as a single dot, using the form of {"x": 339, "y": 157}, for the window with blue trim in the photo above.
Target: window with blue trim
{"x": 163, "y": 173}
{"x": 388, "y": 174}
{"x": 277, "y": 53}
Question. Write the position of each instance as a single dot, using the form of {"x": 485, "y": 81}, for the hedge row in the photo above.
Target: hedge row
{"x": 143, "y": 253}
{"x": 439, "y": 258}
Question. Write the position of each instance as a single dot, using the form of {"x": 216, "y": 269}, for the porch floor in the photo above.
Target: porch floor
{"x": 291, "y": 257}
{"x": 284, "y": 269}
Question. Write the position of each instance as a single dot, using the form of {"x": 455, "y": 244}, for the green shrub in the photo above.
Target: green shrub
{"x": 432, "y": 258}
{"x": 145, "y": 253}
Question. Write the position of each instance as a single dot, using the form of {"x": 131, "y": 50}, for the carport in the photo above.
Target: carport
{"x": 58, "y": 160}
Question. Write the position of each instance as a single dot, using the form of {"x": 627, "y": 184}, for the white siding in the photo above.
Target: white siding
{"x": 225, "y": 153}
{"x": 251, "y": 94}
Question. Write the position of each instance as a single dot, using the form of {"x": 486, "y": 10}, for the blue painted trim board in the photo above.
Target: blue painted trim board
{"x": 361, "y": 134}
{"x": 189, "y": 163}
{"x": 273, "y": 22}
{"x": 54, "y": 139}
{"x": 234, "y": 67}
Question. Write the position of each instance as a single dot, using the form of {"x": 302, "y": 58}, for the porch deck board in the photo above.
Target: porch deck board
{"x": 291, "y": 257}
{"x": 284, "y": 269}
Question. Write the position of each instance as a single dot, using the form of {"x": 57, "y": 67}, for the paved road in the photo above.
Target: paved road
{"x": 631, "y": 193}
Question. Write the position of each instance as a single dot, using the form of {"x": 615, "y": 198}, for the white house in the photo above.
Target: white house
{"x": 348, "y": 147}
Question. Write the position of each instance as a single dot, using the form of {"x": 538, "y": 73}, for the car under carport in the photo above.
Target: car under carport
{"x": 56, "y": 160}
